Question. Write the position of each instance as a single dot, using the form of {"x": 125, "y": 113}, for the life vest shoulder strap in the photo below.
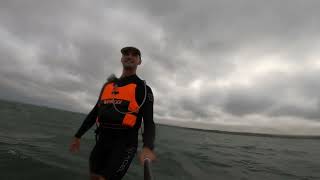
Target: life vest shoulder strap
{"x": 101, "y": 91}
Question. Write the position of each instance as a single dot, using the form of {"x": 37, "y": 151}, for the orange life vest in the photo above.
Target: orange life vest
{"x": 124, "y": 98}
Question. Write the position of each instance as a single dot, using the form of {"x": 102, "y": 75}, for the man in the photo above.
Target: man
{"x": 122, "y": 105}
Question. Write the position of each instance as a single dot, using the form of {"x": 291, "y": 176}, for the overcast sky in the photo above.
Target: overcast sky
{"x": 247, "y": 64}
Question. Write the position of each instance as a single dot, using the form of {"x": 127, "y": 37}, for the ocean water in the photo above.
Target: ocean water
{"x": 34, "y": 143}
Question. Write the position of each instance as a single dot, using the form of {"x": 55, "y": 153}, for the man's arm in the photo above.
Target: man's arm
{"x": 148, "y": 135}
{"x": 92, "y": 116}
{"x": 149, "y": 126}
{"x": 88, "y": 122}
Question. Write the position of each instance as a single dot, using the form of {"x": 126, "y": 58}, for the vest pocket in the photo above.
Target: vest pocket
{"x": 129, "y": 120}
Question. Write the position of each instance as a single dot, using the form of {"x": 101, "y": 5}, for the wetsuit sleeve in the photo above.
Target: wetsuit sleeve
{"x": 90, "y": 119}
{"x": 149, "y": 126}
{"x": 88, "y": 122}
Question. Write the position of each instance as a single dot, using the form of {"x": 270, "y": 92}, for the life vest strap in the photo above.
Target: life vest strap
{"x": 111, "y": 126}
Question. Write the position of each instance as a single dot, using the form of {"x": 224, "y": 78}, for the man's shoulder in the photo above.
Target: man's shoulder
{"x": 142, "y": 88}
{"x": 149, "y": 89}
{"x": 143, "y": 84}
{"x": 112, "y": 78}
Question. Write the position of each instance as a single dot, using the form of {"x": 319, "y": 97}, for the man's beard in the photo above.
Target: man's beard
{"x": 129, "y": 66}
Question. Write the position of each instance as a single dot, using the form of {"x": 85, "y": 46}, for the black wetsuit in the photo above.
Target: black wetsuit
{"x": 115, "y": 148}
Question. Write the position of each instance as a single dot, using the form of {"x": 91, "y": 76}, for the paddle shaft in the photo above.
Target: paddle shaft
{"x": 147, "y": 170}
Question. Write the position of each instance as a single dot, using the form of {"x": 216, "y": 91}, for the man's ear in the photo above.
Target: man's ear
{"x": 140, "y": 61}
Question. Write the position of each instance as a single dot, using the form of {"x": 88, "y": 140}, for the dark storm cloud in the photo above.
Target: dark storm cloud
{"x": 209, "y": 61}
{"x": 218, "y": 26}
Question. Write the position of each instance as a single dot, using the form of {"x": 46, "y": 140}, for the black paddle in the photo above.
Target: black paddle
{"x": 147, "y": 169}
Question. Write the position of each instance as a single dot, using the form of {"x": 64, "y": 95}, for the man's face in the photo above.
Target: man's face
{"x": 130, "y": 60}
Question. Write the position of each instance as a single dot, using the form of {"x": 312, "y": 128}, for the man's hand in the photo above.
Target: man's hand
{"x": 146, "y": 153}
{"x": 75, "y": 145}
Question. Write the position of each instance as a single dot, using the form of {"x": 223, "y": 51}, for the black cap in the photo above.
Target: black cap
{"x": 132, "y": 49}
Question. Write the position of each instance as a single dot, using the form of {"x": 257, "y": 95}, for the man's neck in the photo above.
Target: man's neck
{"x": 127, "y": 73}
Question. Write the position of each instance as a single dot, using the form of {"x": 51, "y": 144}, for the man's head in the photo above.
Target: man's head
{"x": 131, "y": 57}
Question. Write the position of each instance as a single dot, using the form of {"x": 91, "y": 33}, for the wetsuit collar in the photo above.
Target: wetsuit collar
{"x": 128, "y": 77}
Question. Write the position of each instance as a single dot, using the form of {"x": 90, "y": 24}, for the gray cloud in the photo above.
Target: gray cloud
{"x": 207, "y": 61}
